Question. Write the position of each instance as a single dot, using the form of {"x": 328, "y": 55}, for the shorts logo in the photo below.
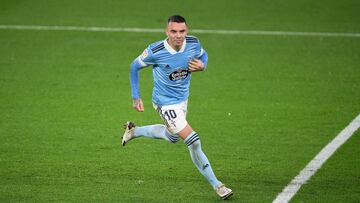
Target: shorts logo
{"x": 179, "y": 74}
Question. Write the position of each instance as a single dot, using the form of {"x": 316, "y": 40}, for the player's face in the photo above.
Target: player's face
{"x": 176, "y": 33}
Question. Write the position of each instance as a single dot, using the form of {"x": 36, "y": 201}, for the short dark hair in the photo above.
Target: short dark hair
{"x": 176, "y": 19}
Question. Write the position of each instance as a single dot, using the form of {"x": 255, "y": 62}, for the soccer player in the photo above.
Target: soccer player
{"x": 173, "y": 60}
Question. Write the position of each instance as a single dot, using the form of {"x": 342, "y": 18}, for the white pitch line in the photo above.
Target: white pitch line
{"x": 147, "y": 30}
{"x": 291, "y": 189}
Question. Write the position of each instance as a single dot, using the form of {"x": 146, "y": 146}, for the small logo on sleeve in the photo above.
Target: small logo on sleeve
{"x": 144, "y": 54}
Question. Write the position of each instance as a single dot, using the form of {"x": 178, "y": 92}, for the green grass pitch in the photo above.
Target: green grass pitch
{"x": 64, "y": 96}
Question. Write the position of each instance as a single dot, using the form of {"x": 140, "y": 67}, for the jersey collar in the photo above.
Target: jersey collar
{"x": 173, "y": 51}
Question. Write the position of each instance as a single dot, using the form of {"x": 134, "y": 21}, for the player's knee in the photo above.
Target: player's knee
{"x": 172, "y": 138}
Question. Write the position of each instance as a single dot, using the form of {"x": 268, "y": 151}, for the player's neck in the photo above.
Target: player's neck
{"x": 176, "y": 48}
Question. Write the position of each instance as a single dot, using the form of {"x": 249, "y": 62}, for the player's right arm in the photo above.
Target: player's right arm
{"x": 139, "y": 63}
{"x": 134, "y": 83}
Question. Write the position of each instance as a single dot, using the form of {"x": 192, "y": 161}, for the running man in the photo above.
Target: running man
{"x": 173, "y": 60}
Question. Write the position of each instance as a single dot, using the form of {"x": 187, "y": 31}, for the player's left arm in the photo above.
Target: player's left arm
{"x": 200, "y": 63}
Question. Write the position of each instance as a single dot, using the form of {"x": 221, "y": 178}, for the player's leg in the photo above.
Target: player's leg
{"x": 157, "y": 131}
{"x": 192, "y": 140}
{"x": 174, "y": 117}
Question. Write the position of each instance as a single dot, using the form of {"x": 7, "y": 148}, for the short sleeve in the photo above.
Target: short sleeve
{"x": 199, "y": 50}
{"x": 146, "y": 58}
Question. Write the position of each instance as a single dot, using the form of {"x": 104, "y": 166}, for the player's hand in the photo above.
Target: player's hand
{"x": 196, "y": 65}
{"x": 138, "y": 105}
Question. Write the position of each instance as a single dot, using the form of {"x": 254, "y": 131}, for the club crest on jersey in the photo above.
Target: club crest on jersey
{"x": 178, "y": 74}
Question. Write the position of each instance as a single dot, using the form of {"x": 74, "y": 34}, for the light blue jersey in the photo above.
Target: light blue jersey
{"x": 170, "y": 70}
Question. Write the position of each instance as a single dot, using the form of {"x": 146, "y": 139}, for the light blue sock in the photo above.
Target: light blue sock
{"x": 157, "y": 131}
{"x": 200, "y": 160}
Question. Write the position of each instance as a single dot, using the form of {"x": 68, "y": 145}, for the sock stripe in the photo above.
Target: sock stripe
{"x": 198, "y": 138}
{"x": 192, "y": 139}
{"x": 193, "y": 136}
{"x": 171, "y": 137}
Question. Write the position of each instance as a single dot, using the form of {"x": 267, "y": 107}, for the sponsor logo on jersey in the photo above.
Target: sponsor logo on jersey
{"x": 179, "y": 74}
